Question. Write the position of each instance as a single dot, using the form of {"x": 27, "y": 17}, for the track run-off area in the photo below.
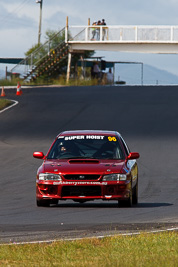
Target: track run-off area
{"x": 146, "y": 116}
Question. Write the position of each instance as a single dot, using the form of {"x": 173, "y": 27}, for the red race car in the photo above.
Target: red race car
{"x": 87, "y": 165}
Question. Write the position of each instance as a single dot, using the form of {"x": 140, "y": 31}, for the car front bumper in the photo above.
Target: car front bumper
{"x": 83, "y": 190}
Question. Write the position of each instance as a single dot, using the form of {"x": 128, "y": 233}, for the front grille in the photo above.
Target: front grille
{"x": 68, "y": 191}
{"x": 81, "y": 177}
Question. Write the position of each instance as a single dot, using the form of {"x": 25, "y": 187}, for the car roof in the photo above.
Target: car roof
{"x": 85, "y": 132}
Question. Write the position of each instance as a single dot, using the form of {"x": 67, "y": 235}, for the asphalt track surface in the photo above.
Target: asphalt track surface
{"x": 147, "y": 119}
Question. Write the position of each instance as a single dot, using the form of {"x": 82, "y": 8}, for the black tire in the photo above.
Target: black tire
{"x": 127, "y": 202}
{"x": 135, "y": 195}
{"x": 43, "y": 203}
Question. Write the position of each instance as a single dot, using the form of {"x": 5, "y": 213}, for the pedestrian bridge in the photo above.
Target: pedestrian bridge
{"x": 144, "y": 39}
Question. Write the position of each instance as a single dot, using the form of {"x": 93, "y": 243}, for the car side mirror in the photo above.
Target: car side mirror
{"x": 38, "y": 155}
{"x": 133, "y": 155}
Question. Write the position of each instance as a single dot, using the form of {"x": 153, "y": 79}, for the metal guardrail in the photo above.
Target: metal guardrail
{"x": 122, "y": 34}
{"x": 28, "y": 64}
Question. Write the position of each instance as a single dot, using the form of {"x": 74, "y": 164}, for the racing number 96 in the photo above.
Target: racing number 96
{"x": 110, "y": 138}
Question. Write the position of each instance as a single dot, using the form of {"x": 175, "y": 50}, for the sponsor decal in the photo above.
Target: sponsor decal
{"x": 79, "y": 183}
{"x": 130, "y": 163}
{"x": 112, "y": 139}
{"x": 82, "y": 137}
{"x": 126, "y": 170}
{"x": 78, "y": 137}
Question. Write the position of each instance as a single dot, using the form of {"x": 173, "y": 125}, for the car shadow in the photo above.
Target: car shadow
{"x": 152, "y": 205}
{"x": 108, "y": 205}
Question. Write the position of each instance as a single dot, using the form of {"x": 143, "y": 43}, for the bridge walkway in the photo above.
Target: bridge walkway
{"x": 145, "y": 39}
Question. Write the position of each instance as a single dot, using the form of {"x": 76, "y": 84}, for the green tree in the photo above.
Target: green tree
{"x": 32, "y": 49}
{"x": 54, "y": 37}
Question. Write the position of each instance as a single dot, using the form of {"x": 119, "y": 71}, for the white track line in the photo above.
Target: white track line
{"x": 81, "y": 238}
{"x": 15, "y": 103}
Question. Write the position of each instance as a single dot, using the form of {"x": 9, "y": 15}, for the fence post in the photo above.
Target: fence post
{"x": 136, "y": 33}
{"x": 87, "y": 33}
{"x": 172, "y": 33}
{"x": 101, "y": 31}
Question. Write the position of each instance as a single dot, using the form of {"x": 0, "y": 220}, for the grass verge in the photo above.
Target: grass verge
{"x": 12, "y": 82}
{"x": 140, "y": 250}
{"x": 60, "y": 81}
{"x": 4, "y": 103}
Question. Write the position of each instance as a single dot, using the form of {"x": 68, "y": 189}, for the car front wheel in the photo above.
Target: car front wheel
{"x": 135, "y": 194}
{"x": 127, "y": 202}
{"x": 43, "y": 203}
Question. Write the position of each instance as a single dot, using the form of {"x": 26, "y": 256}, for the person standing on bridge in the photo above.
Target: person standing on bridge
{"x": 103, "y": 23}
{"x": 94, "y": 30}
{"x": 98, "y": 29}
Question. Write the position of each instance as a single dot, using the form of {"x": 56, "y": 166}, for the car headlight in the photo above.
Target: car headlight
{"x": 49, "y": 177}
{"x": 115, "y": 177}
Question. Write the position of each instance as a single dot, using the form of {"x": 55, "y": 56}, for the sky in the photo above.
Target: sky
{"x": 19, "y": 22}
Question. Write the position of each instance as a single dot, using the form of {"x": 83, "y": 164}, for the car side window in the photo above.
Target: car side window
{"x": 127, "y": 151}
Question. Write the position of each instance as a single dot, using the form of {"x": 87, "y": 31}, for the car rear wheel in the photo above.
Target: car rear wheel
{"x": 43, "y": 203}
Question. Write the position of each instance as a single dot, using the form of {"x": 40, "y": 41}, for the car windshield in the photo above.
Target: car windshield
{"x": 86, "y": 146}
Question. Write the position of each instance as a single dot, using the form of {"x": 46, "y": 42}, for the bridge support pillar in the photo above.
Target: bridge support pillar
{"x": 69, "y": 66}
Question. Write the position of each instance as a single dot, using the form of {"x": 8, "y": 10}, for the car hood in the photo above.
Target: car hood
{"x": 83, "y": 166}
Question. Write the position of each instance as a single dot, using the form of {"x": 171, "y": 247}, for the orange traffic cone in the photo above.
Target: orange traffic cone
{"x": 3, "y": 92}
{"x": 19, "y": 91}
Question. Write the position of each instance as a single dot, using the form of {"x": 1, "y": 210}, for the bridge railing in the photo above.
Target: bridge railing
{"x": 143, "y": 34}
{"x": 29, "y": 63}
